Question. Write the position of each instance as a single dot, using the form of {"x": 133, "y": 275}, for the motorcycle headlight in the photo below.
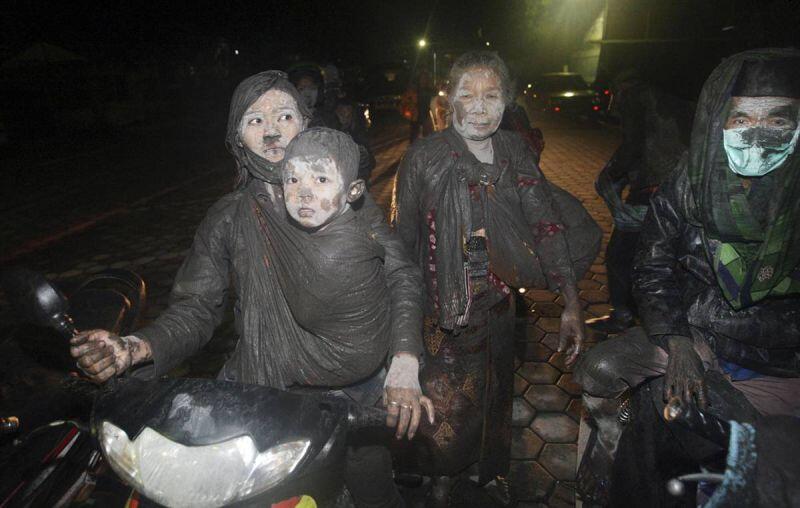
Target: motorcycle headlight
{"x": 176, "y": 475}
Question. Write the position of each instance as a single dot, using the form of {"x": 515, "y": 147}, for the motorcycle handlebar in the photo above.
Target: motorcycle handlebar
{"x": 705, "y": 424}
{"x": 362, "y": 416}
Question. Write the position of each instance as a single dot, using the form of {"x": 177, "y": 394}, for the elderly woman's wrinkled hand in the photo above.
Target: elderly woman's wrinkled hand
{"x": 403, "y": 398}
{"x": 571, "y": 334}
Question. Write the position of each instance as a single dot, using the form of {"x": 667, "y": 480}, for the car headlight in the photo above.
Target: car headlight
{"x": 213, "y": 475}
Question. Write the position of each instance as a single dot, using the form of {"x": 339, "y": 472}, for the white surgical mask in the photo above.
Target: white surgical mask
{"x": 749, "y": 155}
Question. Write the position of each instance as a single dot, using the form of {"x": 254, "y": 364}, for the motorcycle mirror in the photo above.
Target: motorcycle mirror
{"x": 36, "y": 300}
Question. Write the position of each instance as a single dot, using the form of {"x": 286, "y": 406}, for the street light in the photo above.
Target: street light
{"x": 488, "y": 44}
{"x": 422, "y": 43}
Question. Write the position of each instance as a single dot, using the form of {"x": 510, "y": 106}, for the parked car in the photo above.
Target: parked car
{"x": 565, "y": 93}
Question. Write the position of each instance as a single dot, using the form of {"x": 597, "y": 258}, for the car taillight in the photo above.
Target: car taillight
{"x": 556, "y": 109}
{"x": 606, "y": 92}
{"x": 595, "y": 108}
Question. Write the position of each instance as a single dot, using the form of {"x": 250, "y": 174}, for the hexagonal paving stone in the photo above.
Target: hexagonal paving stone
{"x": 563, "y": 496}
{"x": 525, "y": 444}
{"x": 599, "y": 309}
{"x": 532, "y": 333}
{"x": 540, "y": 295}
{"x": 569, "y": 385}
{"x": 601, "y": 278}
{"x": 555, "y": 427}
{"x": 538, "y": 372}
{"x": 520, "y": 385}
{"x": 547, "y": 309}
{"x": 547, "y": 397}
{"x": 551, "y": 340}
{"x": 559, "y": 460}
{"x": 557, "y": 360}
{"x": 589, "y": 284}
{"x": 530, "y": 481}
{"x": 593, "y": 295}
{"x": 598, "y": 269}
{"x": 533, "y": 351}
{"x": 549, "y": 324}
{"x": 521, "y": 413}
{"x": 574, "y": 409}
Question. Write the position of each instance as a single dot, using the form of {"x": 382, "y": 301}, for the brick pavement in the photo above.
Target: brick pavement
{"x": 546, "y": 405}
{"x": 152, "y": 239}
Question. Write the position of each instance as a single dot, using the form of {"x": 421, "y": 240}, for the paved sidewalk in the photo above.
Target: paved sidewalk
{"x": 547, "y": 406}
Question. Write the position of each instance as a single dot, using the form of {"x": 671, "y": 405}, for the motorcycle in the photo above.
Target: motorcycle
{"x": 47, "y": 457}
{"x": 192, "y": 442}
{"x": 677, "y": 454}
{"x": 757, "y": 465}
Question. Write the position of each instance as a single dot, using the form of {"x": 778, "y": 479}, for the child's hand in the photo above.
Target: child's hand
{"x": 403, "y": 397}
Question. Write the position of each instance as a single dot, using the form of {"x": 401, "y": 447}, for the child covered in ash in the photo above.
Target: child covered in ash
{"x": 330, "y": 269}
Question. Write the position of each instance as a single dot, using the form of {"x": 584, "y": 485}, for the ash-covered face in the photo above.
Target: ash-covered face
{"x": 760, "y": 134}
{"x": 478, "y": 104}
{"x": 775, "y": 113}
{"x": 315, "y": 192}
{"x": 270, "y": 123}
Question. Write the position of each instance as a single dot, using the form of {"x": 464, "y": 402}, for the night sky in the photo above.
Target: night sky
{"x": 532, "y": 35}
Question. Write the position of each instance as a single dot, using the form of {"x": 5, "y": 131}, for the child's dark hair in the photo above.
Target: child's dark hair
{"x": 321, "y": 142}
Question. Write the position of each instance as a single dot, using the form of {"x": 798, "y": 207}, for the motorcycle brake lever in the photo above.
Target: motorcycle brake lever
{"x": 677, "y": 487}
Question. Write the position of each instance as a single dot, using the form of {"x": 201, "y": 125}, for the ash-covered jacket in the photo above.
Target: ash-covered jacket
{"x": 229, "y": 259}
{"x": 518, "y": 190}
{"x": 678, "y": 274}
{"x": 221, "y": 265}
{"x": 677, "y": 293}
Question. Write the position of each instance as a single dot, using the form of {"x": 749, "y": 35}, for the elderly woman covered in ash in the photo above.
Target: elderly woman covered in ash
{"x": 473, "y": 206}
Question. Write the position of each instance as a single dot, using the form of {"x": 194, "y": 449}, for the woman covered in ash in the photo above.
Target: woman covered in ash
{"x": 473, "y": 206}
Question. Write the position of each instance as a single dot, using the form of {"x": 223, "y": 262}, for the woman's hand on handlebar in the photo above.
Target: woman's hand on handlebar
{"x": 101, "y": 354}
{"x": 402, "y": 396}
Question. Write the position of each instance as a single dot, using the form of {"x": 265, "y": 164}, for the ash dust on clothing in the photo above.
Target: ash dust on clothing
{"x": 334, "y": 283}
{"x": 469, "y": 377}
{"x": 228, "y": 261}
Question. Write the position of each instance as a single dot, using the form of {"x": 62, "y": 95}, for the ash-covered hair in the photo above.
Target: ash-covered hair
{"x": 487, "y": 60}
{"x": 321, "y": 142}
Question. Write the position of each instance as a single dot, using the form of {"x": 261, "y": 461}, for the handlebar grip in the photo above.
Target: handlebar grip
{"x": 362, "y": 416}
{"x": 698, "y": 421}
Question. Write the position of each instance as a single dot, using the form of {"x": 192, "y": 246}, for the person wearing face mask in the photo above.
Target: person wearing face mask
{"x": 474, "y": 207}
{"x": 716, "y": 276}
{"x": 229, "y": 259}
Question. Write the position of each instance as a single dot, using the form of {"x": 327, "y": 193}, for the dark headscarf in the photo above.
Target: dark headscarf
{"x": 249, "y": 164}
{"x": 752, "y": 258}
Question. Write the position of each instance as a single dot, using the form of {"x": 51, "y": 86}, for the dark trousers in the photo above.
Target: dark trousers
{"x": 368, "y": 474}
{"x": 620, "y": 253}
{"x": 368, "y": 464}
